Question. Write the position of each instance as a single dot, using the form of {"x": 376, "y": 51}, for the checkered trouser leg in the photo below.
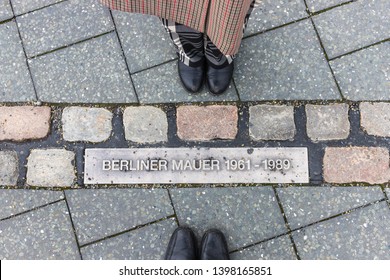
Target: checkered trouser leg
{"x": 192, "y": 46}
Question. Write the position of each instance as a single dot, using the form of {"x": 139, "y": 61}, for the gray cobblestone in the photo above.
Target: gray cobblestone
{"x": 51, "y": 168}
{"x": 146, "y": 243}
{"x": 5, "y": 10}
{"x": 327, "y": 122}
{"x": 145, "y": 124}
{"x": 353, "y": 26}
{"x": 86, "y": 124}
{"x": 9, "y": 168}
{"x": 375, "y": 118}
{"x": 271, "y": 122}
{"x": 50, "y": 28}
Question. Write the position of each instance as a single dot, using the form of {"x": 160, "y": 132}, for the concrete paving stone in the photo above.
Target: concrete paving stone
{"x": 318, "y": 5}
{"x": 144, "y": 40}
{"x": 387, "y": 190}
{"x": 90, "y": 72}
{"x": 279, "y": 248}
{"x": 205, "y": 123}
{"x": 19, "y": 123}
{"x": 353, "y": 26}
{"x": 5, "y": 10}
{"x": 279, "y": 65}
{"x": 15, "y": 81}
{"x": 365, "y": 75}
{"x": 51, "y": 28}
{"x": 145, "y": 124}
{"x": 24, "y": 6}
{"x": 9, "y": 169}
{"x": 146, "y": 243}
{"x": 375, "y": 118}
{"x": 246, "y": 215}
{"x": 17, "y": 201}
{"x": 162, "y": 84}
{"x": 356, "y": 164}
{"x": 86, "y": 124}
{"x": 100, "y": 213}
{"x": 270, "y": 13}
{"x": 305, "y": 205}
{"x": 42, "y": 234}
{"x": 271, "y": 122}
{"x": 327, "y": 122}
{"x": 361, "y": 234}
{"x": 51, "y": 168}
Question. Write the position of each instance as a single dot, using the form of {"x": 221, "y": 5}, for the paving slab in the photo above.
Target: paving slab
{"x": 270, "y": 13}
{"x": 364, "y": 75}
{"x": 100, "y": 213}
{"x": 86, "y": 124}
{"x": 362, "y": 234}
{"x": 246, "y": 215}
{"x": 51, "y": 168}
{"x": 144, "y": 40}
{"x": 263, "y": 119}
{"x": 284, "y": 64}
{"x": 24, "y": 6}
{"x": 327, "y": 122}
{"x": 162, "y": 84}
{"x": 146, "y": 124}
{"x": 353, "y": 26}
{"x": 9, "y": 168}
{"x": 375, "y": 118}
{"x": 279, "y": 248}
{"x": 305, "y": 205}
{"x": 90, "y": 72}
{"x": 15, "y": 81}
{"x": 51, "y": 28}
{"x": 318, "y": 5}
{"x": 17, "y": 201}
{"x": 43, "y": 234}
{"x": 146, "y": 243}
{"x": 5, "y": 10}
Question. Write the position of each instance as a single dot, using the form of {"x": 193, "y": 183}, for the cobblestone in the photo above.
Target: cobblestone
{"x": 264, "y": 119}
{"x": 196, "y": 123}
{"x": 145, "y": 124}
{"x": 327, "y": 122}
{"x": 86, "y": 124}
{"x": 21, "y": 123}
{"x": 51, "y": 168}
{"x": 375, "y": 118}
{"x": 9, "y": 168}
{"x": 356, "y": 164}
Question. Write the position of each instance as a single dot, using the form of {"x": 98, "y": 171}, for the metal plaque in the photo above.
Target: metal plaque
{"x": 196, "y": 166}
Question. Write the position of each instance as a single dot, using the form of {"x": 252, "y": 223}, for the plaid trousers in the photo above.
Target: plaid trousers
{"x": 221, "y": 20}
{"x": 192, "y": 46}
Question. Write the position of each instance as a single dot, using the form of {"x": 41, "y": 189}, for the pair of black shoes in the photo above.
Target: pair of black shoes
{"x": 217, "y": 78}
{"x": 183, "y": 246}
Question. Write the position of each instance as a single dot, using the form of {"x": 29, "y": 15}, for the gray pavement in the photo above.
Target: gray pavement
{"x": 71, "y": 51}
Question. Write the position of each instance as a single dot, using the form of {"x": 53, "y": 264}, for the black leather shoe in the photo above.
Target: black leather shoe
{"x": 214, "y": 246}
{"x": 218, "y": 79}
{"x": 191, "y": 77}
{"x": 182, "y": 245}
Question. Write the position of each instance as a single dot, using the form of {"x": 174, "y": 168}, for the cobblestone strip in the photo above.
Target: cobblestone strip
{"x": 205, "y": 123}
{"x": 9, "y": 170}
{"x": 375, "y": 118}
{"x": 21, "y": 123}
{"x": 356, "y": 164}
